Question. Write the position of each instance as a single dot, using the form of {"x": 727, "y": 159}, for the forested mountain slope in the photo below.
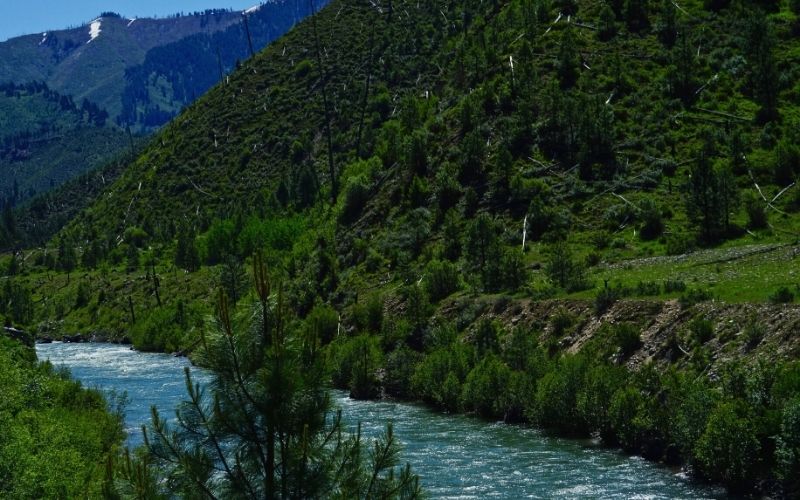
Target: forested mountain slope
{"x": 47, "y": 138}
{"x": 632, "y": 134}
{"x": 460, "y": 200}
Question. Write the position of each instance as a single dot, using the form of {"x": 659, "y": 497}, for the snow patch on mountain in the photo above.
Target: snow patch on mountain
{"x": 44, "y": 38}
{"x": 94, "y": 30}
{"x": 252, "y": 9}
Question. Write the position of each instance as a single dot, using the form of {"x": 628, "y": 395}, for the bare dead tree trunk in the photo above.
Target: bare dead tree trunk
{"x": 249, "y": 38}
{"x": 219, "y": 64}
{"x": 367, "y": 82}
{"x": 323, "y": 82}
{"x": 130, "y": 306}
{"x": 156, "y": 283}
{"x": 130, "y": 140}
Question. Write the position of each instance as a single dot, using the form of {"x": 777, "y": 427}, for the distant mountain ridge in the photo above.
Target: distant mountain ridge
{"x": 90, "y": 61}
{"x": 68, "y": 97}
{"x": 143, "y": 71}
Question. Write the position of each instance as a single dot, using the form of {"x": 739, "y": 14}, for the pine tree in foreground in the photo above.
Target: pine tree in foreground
{"x": 264, "y": 427}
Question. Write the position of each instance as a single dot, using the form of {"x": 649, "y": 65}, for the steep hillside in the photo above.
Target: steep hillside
{"x": 628, "y": 142}
{"x": 459, "y": 203}
{"x": 174, "y": 75}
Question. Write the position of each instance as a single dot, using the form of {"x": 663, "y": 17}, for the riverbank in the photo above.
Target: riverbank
{"x": 55, "y": 435}
{"x": 456, "y": 456}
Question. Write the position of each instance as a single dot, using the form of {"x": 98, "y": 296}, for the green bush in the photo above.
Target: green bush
{"x": 438, "y": 379}
{"x": 606, "y": 298}
{"x": 627, "y": 337}
{"x": 756, "y": 212}
{"x": 652, "y": 222}
{"x": 554, "y": 405}
{"x": 83, "y": 295}
{"x": 322, "y": 323}
{"x": 561, "y": 320}
{"x": 702, "y": 330}
{"x": 367, "y": 316}
{"x": 54, "y": 434}
{"x": 625, "y": 408}
{"x": 354, "y": 365}
{"x": 486, "y": 388}
{"x": 679, "y": 244}
{"x": 441, "y": 279}
{"x": 782, "y": 296}
{"x": 672, "y": 286}
{"x": 788, "y": 447}
{"x": 487, "y": 336}
{"x": 164, "y": 329}
{"x": 354, "y": 198}
{"x": 754, "y": 331}
{"x": 219, "y": 240}
{"x": 278, "y": 233}
{"x": 648, "y": 288}
{"x": 565, "y": 271}
{"x": 303, "y": 68}
{"x": 728, "y": 450}
{"x": 400, "y": 366}
{"x": 694, "y": 296}
{"x": 593, "y": 403}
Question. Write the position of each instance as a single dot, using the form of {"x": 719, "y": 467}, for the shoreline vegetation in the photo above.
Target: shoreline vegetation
{"x": 732, "y": 426}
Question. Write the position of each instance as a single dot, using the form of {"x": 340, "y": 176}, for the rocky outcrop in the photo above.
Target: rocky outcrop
{"x": 664, "y": 325}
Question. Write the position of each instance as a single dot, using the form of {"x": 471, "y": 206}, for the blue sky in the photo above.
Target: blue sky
{"x": 22, "y": 17}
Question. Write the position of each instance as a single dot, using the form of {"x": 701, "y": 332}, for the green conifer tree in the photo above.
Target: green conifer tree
{"x": 265, "y": 427}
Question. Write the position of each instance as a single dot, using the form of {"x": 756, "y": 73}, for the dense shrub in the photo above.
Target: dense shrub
{"x": 756, "y": 212}
{"x": 554, "y": 404}
{"x": 400, "y": 366}
{"x": 441, "y": 279}
{"x": 564, "y": 270}
{"x": 54, "y": 434}
{"x": 486, "y": 388}
{"x": 165, "y": 329}
{"x": 593, "y": 403}
{"x": 354, "y": 364}
{"x": 354, "y": 198}
{"x": 322, "y": 323}
{"x": 652, "y": 221}
{"x": 627, "y": 338}
{"x": 561, "y": 320}
{"x": 728, "y": 450}
{"x": 788, "y": 447}
{"x": 438, "y": 378}
{"x": 624, "y": 414}
{"x": 782, "y": 296}
{"x": 702, "y": 330}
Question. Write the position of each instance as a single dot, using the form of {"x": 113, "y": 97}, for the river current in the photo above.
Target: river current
{"x": 456, "y": 456}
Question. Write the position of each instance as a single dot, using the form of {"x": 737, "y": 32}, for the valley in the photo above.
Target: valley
{"x": 580, "y": 217}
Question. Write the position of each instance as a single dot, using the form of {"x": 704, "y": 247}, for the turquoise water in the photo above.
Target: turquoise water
{"x": 455, "y": 456}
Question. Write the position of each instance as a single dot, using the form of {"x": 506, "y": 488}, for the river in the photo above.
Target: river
{"x": 456, "y": 456}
